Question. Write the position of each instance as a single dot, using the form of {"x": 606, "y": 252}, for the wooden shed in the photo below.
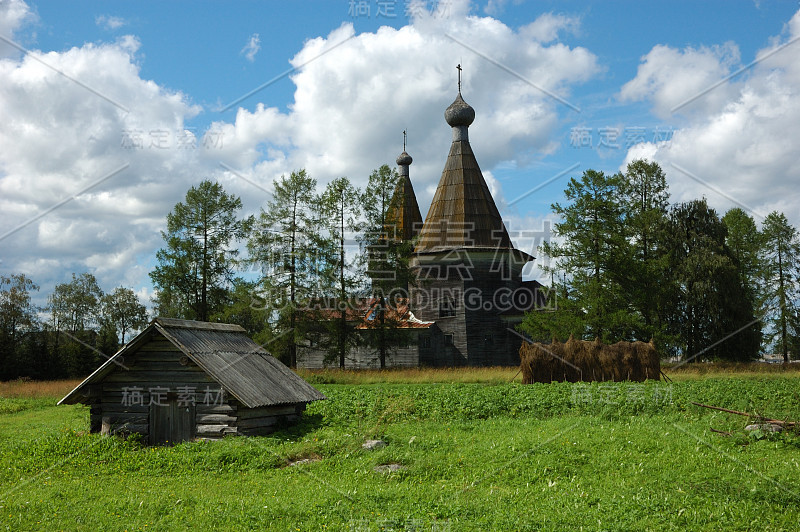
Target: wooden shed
{"x": 179, "y": 380}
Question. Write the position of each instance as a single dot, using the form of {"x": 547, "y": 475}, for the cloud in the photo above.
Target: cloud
{"x": 252, "y": 47}
{"x": 61, "y": 138}
{"x": 109, "y": 22}
{"x": 668, "y": 78}
{"x": 736, "y": 148}
{"x": 13, "y": 15}
{"x": 547, "y": 27}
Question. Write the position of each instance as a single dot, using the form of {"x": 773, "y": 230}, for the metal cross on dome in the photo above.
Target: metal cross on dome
{"x": 458, "y": 67}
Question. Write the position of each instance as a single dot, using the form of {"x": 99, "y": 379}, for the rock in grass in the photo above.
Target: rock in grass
{"x": 373, "y": 444}
{"x": 764, "y": 427}
{"x": 303, "y": 461}
{"x": 387, "y": 468}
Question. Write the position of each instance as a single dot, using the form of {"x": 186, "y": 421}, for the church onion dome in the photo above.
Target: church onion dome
{"x": 460, "y": 113}
{"x": 404, "y": 159}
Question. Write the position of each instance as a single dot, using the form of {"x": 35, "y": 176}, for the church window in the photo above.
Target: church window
{"x": 447, "y": 308}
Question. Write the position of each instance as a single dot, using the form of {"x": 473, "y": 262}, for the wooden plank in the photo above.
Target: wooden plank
{"x": 175, "y": 377}
{"x": 127, "y": 416}
{"x": 205, "y": 430}
{"x": 247, "y": 413}
{"x": 257, "y": 431}
{"x": 199, "y": 387}
{"x": 215, "y": 419}
{"x": 119, "y": 407}
{"x": 216, "y": 409}
{"x": 158, "y": 345}
{"x": 162, "y": 365}
{"x": 259, "y": 422}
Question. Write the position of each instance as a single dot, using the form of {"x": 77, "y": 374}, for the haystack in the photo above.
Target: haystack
{"x": 580, "y": 360}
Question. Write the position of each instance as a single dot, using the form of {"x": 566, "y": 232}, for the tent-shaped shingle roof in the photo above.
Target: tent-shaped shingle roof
{"x": 403, "y": 212}
{"x": 226, "y": 354}
{"x": 463, "y": 213}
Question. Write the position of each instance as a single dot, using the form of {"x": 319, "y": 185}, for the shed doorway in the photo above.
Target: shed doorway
{"x": 171, "y": 423}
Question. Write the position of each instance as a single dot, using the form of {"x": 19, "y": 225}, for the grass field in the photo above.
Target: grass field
{"x": 478, "y": 453}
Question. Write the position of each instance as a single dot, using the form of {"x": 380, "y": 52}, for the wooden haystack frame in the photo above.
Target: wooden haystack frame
{"x": 580, "y": 360}
{"x": 179, "y": 380}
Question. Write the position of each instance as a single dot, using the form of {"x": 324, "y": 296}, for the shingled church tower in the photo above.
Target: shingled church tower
{"x": 403, "y": 213}
{"x": 469, "y": 275}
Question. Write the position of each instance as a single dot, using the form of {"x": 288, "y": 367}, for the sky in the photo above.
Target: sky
{"x": 111, "y": 111}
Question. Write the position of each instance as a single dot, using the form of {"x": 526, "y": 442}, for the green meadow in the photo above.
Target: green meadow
{"x": 493, "y": 455}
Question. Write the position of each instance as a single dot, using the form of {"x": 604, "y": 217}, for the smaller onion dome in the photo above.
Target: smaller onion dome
{"x": 404, "y": 159}
{"x": 460, "y": 113}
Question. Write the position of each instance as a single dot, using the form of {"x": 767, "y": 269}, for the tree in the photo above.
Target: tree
{"x": 386, "y": 257}
{"x": 17, "y": 316}
{"x": 593, "y": 257}
{"x": 195, "y": 269}
{"x": 781, "y": 255}
{"x": 122, "y": 310}
{"x": 645, "y": 201}
{"x": 285, "y": 245}
{"x": 743, "y": 242}
{"x": 75, "y": 310}
{"x": 245, "y": 309}
{"x": 75, "y": 306}
{"x": 709, "y": 312}
{"x": 339, "y": 206}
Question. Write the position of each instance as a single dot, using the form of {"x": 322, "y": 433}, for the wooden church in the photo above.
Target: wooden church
{"x": 469, "y": 295}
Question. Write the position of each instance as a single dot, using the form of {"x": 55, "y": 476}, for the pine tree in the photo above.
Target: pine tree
{"x": 339, "y": 206}
{"x": 592, "y": 256}
{"x": 645, "y": 201}
{"x": 709, "y": 313}
{"x": 780, "y": 270}
{"x": 285, "y": 244}
{"x": 195, "y": 269}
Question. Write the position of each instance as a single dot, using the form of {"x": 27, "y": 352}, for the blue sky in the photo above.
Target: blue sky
{"x": 592, "y": 85}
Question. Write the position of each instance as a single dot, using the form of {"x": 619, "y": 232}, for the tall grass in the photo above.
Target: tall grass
{"x": 28, "y": 389}
{"x": 487, "y": 375}
{"x": 701, "y": 370}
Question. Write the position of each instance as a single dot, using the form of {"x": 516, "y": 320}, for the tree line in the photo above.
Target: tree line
{"x": 629, "y": 265}
{"x": 626, "y": 265}
{"x": 85, "y": 326}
